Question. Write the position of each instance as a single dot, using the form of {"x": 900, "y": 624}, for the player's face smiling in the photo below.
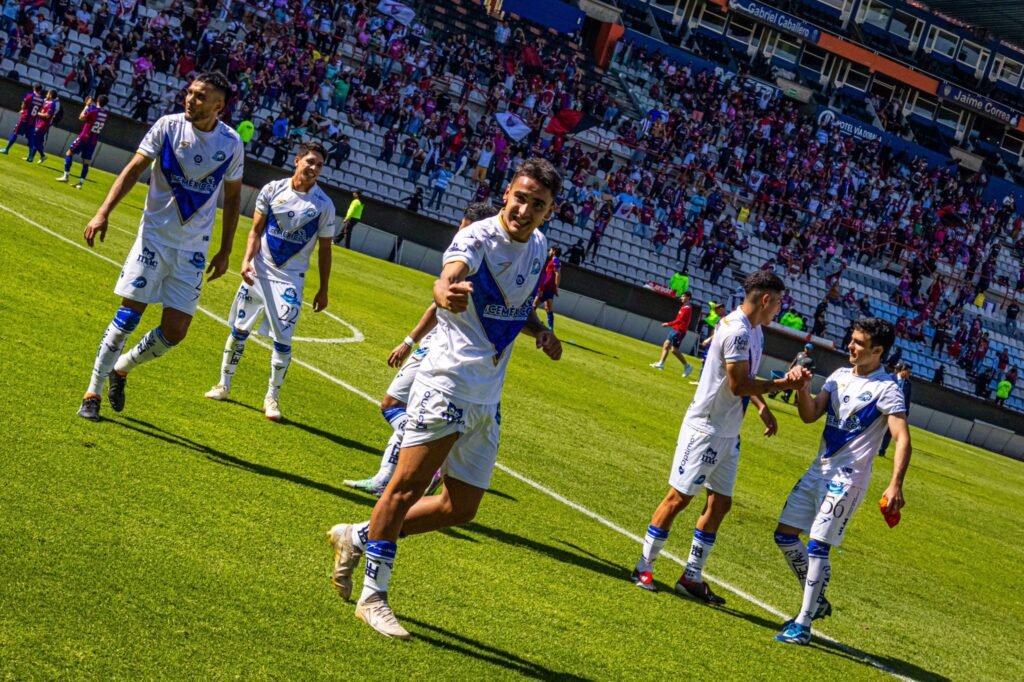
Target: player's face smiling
{"x": 527, "y": 205}
{"x": 307, "y": 170}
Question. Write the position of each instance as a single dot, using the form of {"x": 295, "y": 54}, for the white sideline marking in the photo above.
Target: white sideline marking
{"x": 514, "y": 474}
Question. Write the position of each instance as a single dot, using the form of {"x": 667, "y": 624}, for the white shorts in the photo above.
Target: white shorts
{"x": 277, "y": 298}
{"x": 434, "y": 415}
{"x": 402, "y": 383}
{"x": 705, "y": 461}
{"x": 822, "y": 507}
{"x": 154, "y": 273}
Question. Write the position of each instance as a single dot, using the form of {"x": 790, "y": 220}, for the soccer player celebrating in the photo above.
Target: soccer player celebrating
{"x": 392, "y": 407}
{"x": 678, "y": 326}
{"x": 292, "y": 215}
{"x": 862, "y": 402}
{"x": 26, "y": 124}
{"x": 47, "y": 115}
{"x": 193, "y": 154}
{"x": 706, "y": 453}
{"x": 93, "y": 118}
{"x": 549, "y": 283}
{"x": 484, "y": 299}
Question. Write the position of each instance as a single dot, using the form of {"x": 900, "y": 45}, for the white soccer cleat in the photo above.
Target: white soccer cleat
{"x": 78, "y": 185}
{"x": 271, "y": 409}
{"x": 63, "y": 178}
{"x": 657, "y": 365}
{"x": 346, "y": 558}
{"x": 376, "y": 612}
{"x": 218, "y": 392}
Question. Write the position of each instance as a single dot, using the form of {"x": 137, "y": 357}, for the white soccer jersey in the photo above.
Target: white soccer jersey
{"x": 295, "y": 220}
{"x": 715, "y": 410}
{"x": 189, "y": 167}
{"x": 470, "y": 351}
{"x": 855, "y": 423}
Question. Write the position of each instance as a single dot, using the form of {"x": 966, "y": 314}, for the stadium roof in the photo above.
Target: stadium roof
{"x": 1004, "y": 18}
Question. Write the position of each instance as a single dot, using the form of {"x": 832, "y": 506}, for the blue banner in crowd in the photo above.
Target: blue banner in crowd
{"x": 985, "y": 105}
{"x": 777, "y": 18}
{"x": 864, "y": 131}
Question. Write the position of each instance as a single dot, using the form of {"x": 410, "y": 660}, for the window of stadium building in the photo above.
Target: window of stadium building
{"x": 857, "y": 78}
{"x": 813, "y": 59}
{"x": 948, "y": 117}
{"x": 838, "y": 4}
{"x": 942, "y": 42}
{"x": 740, "y": 29}
{"x": 974, "y": 56}
{"x": 925, "y": 106}
{"x": 1013, "y": 143}
{"x": 877, "y": 13}
{"x": 905, "y": 26}
{"x": 786, "y": 51}
{"x": 1010, "y": 72}
{"x": 712, "y": 20}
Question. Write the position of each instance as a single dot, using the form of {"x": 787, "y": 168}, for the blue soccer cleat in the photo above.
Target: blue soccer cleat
{"x": 794, "y": 633}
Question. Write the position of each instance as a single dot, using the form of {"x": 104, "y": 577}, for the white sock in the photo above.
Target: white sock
{"x": 380, "y": 560}
{"x": 654, "y": 541}
{"x": 111, "y": 345}
{"x": 819, "y": 571}
{"x": 152, "y": 346}
{"x": 389, "y": 461}
{"x": 795, "y": 553}
{"x": 700, "y": 548}
{"x": 360, "y": 532}
{"x": 233, "y": 349}
{"x": 280, "y": 358}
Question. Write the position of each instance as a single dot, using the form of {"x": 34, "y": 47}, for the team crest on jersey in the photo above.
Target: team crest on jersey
{"x": 309, "y": 213}
{"x": 198, "y": 259}
{"x": 291, "y": 296}
{"x": 864, "y": 397}
{"x": 219, "y": 155}
{"x": 535, "y": 268}
{"x": 139, "y": 282}
{"x": 147, "y": 257}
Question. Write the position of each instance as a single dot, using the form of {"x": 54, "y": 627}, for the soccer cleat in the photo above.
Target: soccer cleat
{"x": 687, "y": 371}
{"x": 657, "y": 365}
{"x": 346, "y": 558}
{"x": 435, "y": 483}
{"x": 271, "y": 409}
{"x": 28, "y": 158}
{"x": 367, "y": 485}
{"x": 218, "y": 392}
{"x": 700, "y": 591}
{"x": 3, "y": 151}
{"x": 376, "y": 612}
{"x": 643, "y": 579}
{"x": 824, "y": 610}
{"x": 115, "y": 390}
{"x": 794, "y": 633}
{"x": 63, "y": 178}
{"x": 78, "y": 185}
{"x": 90, "y": 408}
{"x": 42, "y": 157}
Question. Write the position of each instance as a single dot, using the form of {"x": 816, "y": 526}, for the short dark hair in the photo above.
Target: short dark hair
{"x": 543, "y": 172}
{"x": 763, "y": 282}
{"x": 216, "y": 80}
{"x": 557, "y": 250}
{"x": 881, "y": 332}
{"x": 479, "y": 210}
{"x": 311, "y": 146}
{"x": 38, "y": 87}
{"x": 102, "y": 100}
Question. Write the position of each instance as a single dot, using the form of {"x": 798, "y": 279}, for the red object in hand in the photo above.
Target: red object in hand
{"x": 892, "y": 518}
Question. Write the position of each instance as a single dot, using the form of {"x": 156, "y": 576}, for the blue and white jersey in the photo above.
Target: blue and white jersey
{"x": 189, "y": 168}
{"x": 295, "y": 220}
{"x": 469, "y": 352}
{"x": 715, "y": 410}
{"x": 855, "y": 423}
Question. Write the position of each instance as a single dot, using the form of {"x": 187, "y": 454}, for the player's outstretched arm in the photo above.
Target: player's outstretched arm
{"x": 546, "y": 339}
{"x": 323, "y": 256}
{"x": 741, "y": 384}
{"x": 901, "y": 436}
{"x": 451, "y": 290}
{"x": 252, "y": 246}
{"x": 129, "y": 175}
{"x": 811, "y": 407}
{"x": 229, "y": 223}
{"x": 427, "y": 322}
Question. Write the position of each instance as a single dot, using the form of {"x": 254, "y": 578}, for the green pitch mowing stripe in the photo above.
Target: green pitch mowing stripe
{"x": 184, "y": 538}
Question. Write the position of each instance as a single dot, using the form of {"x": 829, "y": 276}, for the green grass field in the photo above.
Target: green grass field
{"x": 185, "y": 539}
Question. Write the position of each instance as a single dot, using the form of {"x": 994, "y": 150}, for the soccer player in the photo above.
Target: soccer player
{"x": 26, "y": 124}
{"x": 393, "y": 405}
{"x": 706, "y": 454}
{"x": 47, "y": 115}
{"x": 193, "y": 155}
{"x": 93, "y": 118}
{"x": 484, "y": 298}
{"x": 676, "y": 335}
{"x": 292, "y": 215}
{"x": 549, "y": 283}
{"x": 862, "y": 402}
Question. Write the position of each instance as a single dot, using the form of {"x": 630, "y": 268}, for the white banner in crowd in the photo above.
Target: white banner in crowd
{"x": 403, "y": 14}
{"x": 513, "y": 125}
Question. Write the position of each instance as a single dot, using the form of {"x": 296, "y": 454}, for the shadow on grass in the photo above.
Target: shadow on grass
{"x": 504, "y": 496}
{"x": 572, "y": 344}
{"x": 225, "y": 459}
{"x": 841, "y": 650}
{"x": 314, "y": 431}
{"x": 450, "y": 641}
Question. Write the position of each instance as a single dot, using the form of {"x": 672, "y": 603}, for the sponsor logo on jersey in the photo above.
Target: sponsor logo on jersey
{"x": 504, "y": 312}
{"x": 700, "y": 479}
{"x": 198, "y": 158}
{"x": 198, "y": 259}
{"x": 139, "y": 282}
{"x": 241, "y": 314}
{"x": 147, "y": 258}
{"x": 709, "y": 457}
{"x": 519, "y": 280}
{"x": 851, "y": 423}
{"x": 835, "y": 488}
{"x": 289, "y": 295}
{"x": 453, "y": 414}
{"x": 742, "y": 342}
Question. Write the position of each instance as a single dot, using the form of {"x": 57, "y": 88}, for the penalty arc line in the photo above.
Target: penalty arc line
{"x": 860, "y": 655}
